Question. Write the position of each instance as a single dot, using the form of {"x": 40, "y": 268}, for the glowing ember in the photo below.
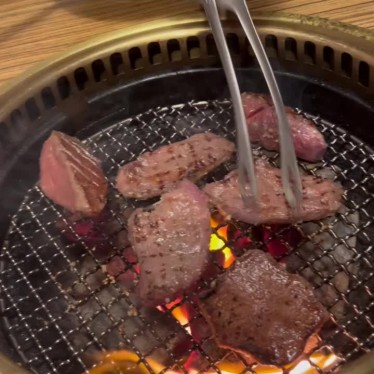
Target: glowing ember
{"x": 218, "y": 243}
{"x": 181, "y": 315}
{"x": 318, "y": 359}
{"x": 324, "y": 361}
{"x": 124, "y": 362}
{"x": 263, "y": 369}
{"x": 173, "y": 303}
{"x": 279, "y": 239}
{"x": 229, "y": 258}
{"x": 227, "y": 367}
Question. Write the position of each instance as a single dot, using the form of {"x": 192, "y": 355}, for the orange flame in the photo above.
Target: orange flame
{"x": 218, "y": 243}
{"x": 321, "y": 360}
{"x": 128, "y": 362}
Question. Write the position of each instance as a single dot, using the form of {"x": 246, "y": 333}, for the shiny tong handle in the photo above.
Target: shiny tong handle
{"x": 245, "y": 157}
{"x": 290, "y": 172}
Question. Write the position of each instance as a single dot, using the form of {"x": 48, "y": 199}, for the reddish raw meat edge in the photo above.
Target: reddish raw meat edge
{"x": 71, "y": 177}
{"x": 262, "y": 122}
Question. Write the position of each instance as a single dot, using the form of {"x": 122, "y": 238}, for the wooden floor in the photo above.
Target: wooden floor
{"x": 33, "y": 30}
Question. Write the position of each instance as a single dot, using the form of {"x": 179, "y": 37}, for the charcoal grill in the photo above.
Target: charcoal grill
{"x": 133, "y": 91}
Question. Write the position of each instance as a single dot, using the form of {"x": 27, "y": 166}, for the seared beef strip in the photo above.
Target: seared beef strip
{"x": 321, "y": 197}
{"x": 260, "y": 309}
{"x": 71, "y": 177}
{"x": 157, "y": 172}
{"x": 171, "y": 243}
{"x": 262, "y": 122}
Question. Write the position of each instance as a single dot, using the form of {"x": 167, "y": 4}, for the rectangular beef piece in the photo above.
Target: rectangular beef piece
{"x": 261, "y": 310}
{"x": 321, "y": 197}
{"x": 309, "y": 143}
{"x": 172, "y": 243}
{"x": 71, "y": 177}
{"x": 154, "y": 173}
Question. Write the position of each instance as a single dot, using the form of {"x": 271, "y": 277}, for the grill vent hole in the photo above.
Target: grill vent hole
{"x": 328, "y": 58}
{"x": 135, "y": 56}
{"x": 174, "y": 50}
{"x": 193, "y": 47}
{"x": 16, "y": 117}
{"x": 347, "y": 64}
{"x": 116, "y": 62}
{"x": 48, "y": 98}
{"x": 271, "y": 45}
{"x": 310, "y": 53}
{"x": 98, "y": 69}
{"x": 18, "y": 125}
{"x": 32, "y": 109}
{"x": 81, "y": 78}
{"x": 233, "y": 43}
{"x": 154, "y": 53}
{"x": 364, "y": 74}
{"x": 211, "y": 46}
{"x": 290, "y": 46}
{"x": 63, "y": 87}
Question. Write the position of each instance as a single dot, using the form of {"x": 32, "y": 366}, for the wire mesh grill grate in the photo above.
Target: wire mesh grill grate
{"x": 60, "y": 305}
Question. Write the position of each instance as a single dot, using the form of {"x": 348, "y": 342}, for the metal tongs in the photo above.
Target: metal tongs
{"x": 247, "y": 177}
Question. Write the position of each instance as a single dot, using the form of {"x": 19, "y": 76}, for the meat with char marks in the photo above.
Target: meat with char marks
{"x": 259, "y": 309}
{"x": 321, "y": 197}
{"x": 172, "y": 243}
{"x": 154, "y": 173}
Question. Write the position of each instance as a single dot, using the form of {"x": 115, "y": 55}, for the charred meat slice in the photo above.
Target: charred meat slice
{"x": 171, "y": 243}
{"x": 157, "y": 172}
{"x": 262, "y": 122}
{"x": 260, "y": 309}
{"x": 71, "y": 177}
{"x": 321, "y": 197}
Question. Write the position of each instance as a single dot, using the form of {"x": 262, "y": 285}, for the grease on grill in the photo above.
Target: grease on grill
{"x": 60, "y": 309}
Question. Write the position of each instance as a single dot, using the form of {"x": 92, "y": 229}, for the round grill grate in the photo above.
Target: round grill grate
{"x": 60, "y": 305}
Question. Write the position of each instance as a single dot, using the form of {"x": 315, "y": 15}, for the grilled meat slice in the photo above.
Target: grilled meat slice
{"x": 71, "y": 177}
{"x": 157, "y": 172}
{"x": 262, "y": 122}
{"x": 260, "y": 309}
{"x": 171, "y": 243}
{"x": 321, "y": 197}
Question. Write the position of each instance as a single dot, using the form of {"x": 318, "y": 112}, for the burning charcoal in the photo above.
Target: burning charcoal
{"x": 159, "y": 171}
{"x": 71, "y": 177}
{"x": 321, "y": 198}
{"x": 262, "y": 122}
{"x": 101, "y": 234}
{"x": 172, "y": 244}
{"x": 280, "y": 239}
{"x": 196, "y": 363}
{"x": 259, "y": 309}
{"x": 240, "y": 240}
